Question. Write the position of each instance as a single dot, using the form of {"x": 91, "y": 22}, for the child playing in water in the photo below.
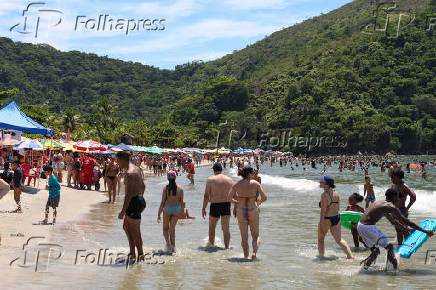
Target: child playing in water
{"x": 353, "y": 200}
{"x": 368, "y": 190}
{"x": 185, "y": 215}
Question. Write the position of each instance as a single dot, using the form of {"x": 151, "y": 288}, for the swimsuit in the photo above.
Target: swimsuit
{"x": 136, "y": 206}
{"x": 219, "y": 209}
{"x": 246, "y": 211}
{"x": 404, "y": 212}
{"x": 172, "y": 210}
{"x": 333, "y": 219}
{"x": 371, "y": 198}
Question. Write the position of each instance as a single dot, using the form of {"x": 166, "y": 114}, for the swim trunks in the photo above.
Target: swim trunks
{"x": 404, "y": 212}
{"x": 372, "y": 236}
{"x": 371, "y": 198}
{"x": 219, "y": 209}
{"x": 53, "y": 201}
{"x": 136, "y": 207}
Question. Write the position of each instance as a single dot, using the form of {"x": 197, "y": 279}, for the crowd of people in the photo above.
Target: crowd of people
{"x": 84, "y": 170}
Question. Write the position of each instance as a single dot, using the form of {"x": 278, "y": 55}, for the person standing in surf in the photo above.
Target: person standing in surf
{"x": 329, "y": 217}
{"x": 368, "y": 191}
{"x": 353, "y": 200}
{"x": 244, "y": 194}
{"x": 373, "y": 237}
{"x": 191, "y": 171}
{"x": 397, "y": 176}
{"x": 217, "y": 193}
{"x": 172, "y": 206}
{"x": 133, "y": 206}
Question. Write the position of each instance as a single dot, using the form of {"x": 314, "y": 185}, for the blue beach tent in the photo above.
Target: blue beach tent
{"x": 11, "y": 117}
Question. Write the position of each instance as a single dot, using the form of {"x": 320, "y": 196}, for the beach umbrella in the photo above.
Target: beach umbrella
{"x": 124, "y": 147}
{"x": 29, "y": 144}
{"x": 90, "y": 145}
{"x": 153, "y": 150}
{"x": 50, "y": 144}
{"x": 10, "y": 142}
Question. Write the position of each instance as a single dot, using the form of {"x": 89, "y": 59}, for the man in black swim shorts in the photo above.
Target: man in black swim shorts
{"x": 133, "y": 206}
{"x": 217, "y": 193}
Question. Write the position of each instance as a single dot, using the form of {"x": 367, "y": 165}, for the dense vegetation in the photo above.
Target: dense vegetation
{"x": 322, "y": 78}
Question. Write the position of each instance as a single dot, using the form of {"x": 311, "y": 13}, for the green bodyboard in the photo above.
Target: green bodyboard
{"x": 348, "y": 217}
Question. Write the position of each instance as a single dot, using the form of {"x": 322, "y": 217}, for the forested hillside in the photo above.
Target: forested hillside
{"x": 322, "y": 77}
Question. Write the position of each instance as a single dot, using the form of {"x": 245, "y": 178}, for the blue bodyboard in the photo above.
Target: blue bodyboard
{"x": 416, "y": 239}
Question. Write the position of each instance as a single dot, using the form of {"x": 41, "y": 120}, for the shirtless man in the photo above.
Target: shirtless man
{"x": 373, "y": 237}
{"x": 397, "y": 176}
{"x": 217, "y": 193}
{"x": 133, "y": 206}
{"x": 368, "y": 191}
{"x": 244, "y": 193}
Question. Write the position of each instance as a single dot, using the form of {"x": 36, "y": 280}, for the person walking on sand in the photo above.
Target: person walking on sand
{"x": 244, "y": 195}
{"x": 17, "y": 184}
{"x": 329, "y": 217}
{"x": 54, "y": 193}
{"x": 217, "y": 191}
{"x": 111, "y": 175}
{"x": 172, "y": 206}
{"x": 133, "y": 205}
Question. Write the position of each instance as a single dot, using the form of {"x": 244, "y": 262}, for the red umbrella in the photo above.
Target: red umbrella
{"x": 89, "y": 145}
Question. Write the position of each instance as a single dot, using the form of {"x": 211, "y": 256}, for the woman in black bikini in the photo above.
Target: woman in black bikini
{"x": 112, "y": 171}
{"x": 329, "y": 217}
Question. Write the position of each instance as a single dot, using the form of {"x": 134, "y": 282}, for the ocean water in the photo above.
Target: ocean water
{"x": 287, "y": 255}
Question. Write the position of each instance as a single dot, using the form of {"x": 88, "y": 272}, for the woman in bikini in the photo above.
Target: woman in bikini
{"x": 329, "y": 217}
{"x": 244, "y": 194}
{"x": 172, "y": 206}
{"x": 112, "y": 171}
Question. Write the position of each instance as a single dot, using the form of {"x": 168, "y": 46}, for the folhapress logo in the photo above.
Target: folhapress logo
{"x": 32, "y": 17}
{"x": 36, "y": 13}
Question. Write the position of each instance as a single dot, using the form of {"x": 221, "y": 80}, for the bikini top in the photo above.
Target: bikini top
{"x": 331, "y": 201}
{"x": 178, "y": 191}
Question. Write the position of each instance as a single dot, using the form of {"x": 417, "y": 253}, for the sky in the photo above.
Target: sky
{"x": 161, "y": 33}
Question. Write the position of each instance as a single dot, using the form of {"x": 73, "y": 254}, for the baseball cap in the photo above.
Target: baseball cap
{"x": 217, "y": 166}
{"x": 327, "y": 180}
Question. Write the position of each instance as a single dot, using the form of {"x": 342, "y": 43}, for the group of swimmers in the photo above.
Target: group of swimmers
{"x": 246, "y": 195}
{"x": 393, "y": 208}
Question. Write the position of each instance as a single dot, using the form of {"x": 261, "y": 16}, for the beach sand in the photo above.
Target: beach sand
{"x": 16, "y": 228}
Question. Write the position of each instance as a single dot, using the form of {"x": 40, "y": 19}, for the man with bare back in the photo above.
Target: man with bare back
{"x": 397, "y": 176}
{"x": 244, "y": 194}
{"x": 217, "y": 193}
{"x": 373, "y": 237}
{"x": 133, "y": 206}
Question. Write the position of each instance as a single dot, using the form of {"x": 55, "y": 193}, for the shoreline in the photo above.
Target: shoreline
{"x": 16, "y": 228}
